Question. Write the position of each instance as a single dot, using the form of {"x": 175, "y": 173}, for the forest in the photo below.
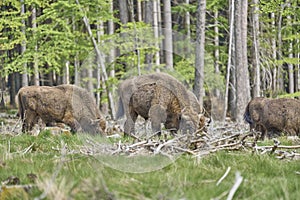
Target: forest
{"x": 226, "y": 52}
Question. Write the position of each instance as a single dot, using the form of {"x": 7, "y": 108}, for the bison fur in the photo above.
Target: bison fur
{"x": 161, "y": 98}
{"x": 273, "y": 116}
{"x": 66, "y": 104}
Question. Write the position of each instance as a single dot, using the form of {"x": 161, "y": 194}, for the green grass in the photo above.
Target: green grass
{"x": 77, "y": 176}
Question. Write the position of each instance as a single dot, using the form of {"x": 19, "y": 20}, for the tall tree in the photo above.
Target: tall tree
{"x": 156, "y": 30}
{"x": 255, "y": 49}
{"x": 200, "y": 50}
{"x": 23, "y": 45}
{"x": 168, "y": 39}
{"x": 123, "y": 10}
{"x": 35, "y": 59}
{"x": 241, "y": 59}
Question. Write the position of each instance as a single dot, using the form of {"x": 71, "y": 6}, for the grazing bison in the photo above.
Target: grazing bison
{"x": 66, "y": 104}
{"x": 273, "y": 116}
{"x": 161, "y": 98}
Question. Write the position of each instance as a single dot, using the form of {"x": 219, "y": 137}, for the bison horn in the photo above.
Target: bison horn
{"x": 94, "y": 121}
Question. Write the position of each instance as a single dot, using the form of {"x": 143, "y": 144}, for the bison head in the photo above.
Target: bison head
{"x": 96, "y": 126}
{"x": 189, "y": 121}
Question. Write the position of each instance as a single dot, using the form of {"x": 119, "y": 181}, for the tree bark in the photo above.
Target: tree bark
{"x": 35, "y": 59}
{"x": 255, "y": 48}
{"x": 156, "y": 31}
{"x": 290, "y": 55}
{"x": 216, "y": 51}
{"x": 23, "y": 45}
{"x": 168, "y": 39}
{"x": 230, "y": 59}
{"x": 241, "y": 61}
{"x": 123, "y": 10}
{"x": 200, "y": 50}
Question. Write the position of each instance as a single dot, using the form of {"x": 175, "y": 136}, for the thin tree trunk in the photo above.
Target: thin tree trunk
{"x": 290, "y": 52}
{"x": 123, "y": 10}
{"x": 274, "y": 55}
{"x": 255, "y": 48}
{"x": 156, "y": 31}
{"x": 229, "y": 63}
{"x": 216, "y": 51}
{"x": 160, "y": 31}
{"x": 66, "y": 76}
{"x": 149, "y": 20}
{"x": 100, "y": 59}
{"x": 298, "y": 64}
{"x": 100, "y": 32}
{"x": 139, "y": 10}
{"x": 279, "y": 48}
{"x": 241, "y": 63}
{"x": 200, "y": 51}
{"x": 23, "y": 45}
{"x": 188, "y": 21}
{"x": 35, "y": 60}
{"x": 168, "y": 41}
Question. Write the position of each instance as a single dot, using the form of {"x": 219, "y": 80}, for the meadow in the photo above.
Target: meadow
{"x": 51, "y": 166}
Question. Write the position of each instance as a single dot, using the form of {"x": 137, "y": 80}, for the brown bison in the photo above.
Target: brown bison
{"x": 273, "y": 116}
{"x": 66, "y": 104}
{"x": 161, "y": 98}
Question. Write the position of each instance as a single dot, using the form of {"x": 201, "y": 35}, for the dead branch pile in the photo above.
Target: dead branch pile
{"x": 230, "y": 137}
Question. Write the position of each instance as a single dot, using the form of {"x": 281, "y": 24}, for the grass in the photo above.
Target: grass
{"x": 77, "y": 176}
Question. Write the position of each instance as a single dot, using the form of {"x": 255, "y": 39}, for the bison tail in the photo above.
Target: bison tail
{"x": 247, "y": 116}
{"x": 120, "y": 111}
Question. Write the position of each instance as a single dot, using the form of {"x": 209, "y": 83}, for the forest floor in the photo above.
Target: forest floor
{"x": 223, "y": 162}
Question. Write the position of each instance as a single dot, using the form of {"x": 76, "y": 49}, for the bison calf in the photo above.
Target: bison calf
{"x": 66, "y": 104}
{"x": 273, "y": 116}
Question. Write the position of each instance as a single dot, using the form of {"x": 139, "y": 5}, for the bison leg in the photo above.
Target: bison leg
{"x": 72, "y": 122}
{"x": 157, "y": 115}
{"x": 30, "y": 118}
{"x": 172, "y": 123}
{"x": 131, "y": 117}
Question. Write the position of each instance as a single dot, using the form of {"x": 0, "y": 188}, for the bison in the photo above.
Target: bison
{"x": 161, "y": 98}
{"x": 66, "y": 104}
{"x": 273, "y": 116}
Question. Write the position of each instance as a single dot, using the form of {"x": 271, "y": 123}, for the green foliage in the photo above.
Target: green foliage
{"x": 186, "y": 69}
{"x": 59, "y": 37}
{"x": 293, "y": 95}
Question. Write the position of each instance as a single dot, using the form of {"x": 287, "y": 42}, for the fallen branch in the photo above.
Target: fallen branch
{"x": 238, "y": 181}
{"x": 224, "y": 176}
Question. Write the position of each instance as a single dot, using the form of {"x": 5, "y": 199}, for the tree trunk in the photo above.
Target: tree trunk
{"x": 274, "y": 55}
{"x": 255, "y": 48}
{"x": 156, "y": 30}
{"x": 100, "y": 60}
{"x": 168, "y": 41}
{"x": 200, "y": 50}
{"x": 188, "y": 21}
{"x": 149, "y": 20}
{"x": 35, "y": 59}
{"x": 139, "y": 10}
{"x": 23, "y": 45}
{"x": 216, "y": 51}
{"x": 230, "y": 57}
{"x": 66, "y": 75}
{"x": 280, "y": 80}
{"x": 290, "y": 55}
{"x": 241, "y": 62}
{"x": 123, "y": 10}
